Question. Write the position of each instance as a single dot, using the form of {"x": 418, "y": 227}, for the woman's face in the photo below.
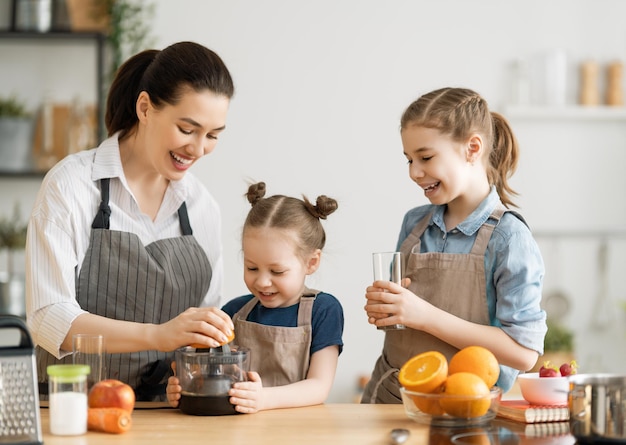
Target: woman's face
{"x": 176, "y": 136}
{"x": 437, "y": 163}
{"x": 273, "y": 271}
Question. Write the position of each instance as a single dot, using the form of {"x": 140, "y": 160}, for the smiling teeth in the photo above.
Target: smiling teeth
{"x": 179, "y": 159}
{"x": 430, "y": 187}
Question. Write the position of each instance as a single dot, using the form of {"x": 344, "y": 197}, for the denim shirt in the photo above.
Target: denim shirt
{"x": 514, "y": 269}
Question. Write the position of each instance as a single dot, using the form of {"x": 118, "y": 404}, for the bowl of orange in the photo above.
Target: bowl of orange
{"x": 460, "y": 392}
{"x": 451, "y": 410}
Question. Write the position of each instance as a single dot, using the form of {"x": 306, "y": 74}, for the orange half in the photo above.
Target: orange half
{"x": 425, "y": 372}
{"x": 230, "y": 338}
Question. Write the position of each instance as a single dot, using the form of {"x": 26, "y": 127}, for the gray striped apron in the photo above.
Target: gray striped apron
{"x": 454, "y": 282}
{"x": 124, "y": 280}
{"x": 280, "y": 354}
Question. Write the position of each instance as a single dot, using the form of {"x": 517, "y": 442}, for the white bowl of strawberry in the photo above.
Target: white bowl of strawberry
{"x": 549, "y": 386}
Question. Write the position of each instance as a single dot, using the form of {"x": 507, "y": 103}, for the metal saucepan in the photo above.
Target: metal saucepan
{"x": 597, "y": 405}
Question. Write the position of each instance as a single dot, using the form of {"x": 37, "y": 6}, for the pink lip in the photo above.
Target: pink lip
{"x": 265, "y": 297}
{"x": 178, "y": 166}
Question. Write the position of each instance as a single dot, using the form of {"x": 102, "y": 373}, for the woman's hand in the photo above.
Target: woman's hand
{"x": 247, "y": 396}
{"x": 208, "y": 326}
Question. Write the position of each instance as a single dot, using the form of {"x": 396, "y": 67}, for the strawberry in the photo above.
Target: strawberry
{"x": 549, "y": 370}
{"x": 568, "y": 368}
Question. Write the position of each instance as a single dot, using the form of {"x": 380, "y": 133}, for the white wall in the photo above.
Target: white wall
{"x": 320, "y": 89}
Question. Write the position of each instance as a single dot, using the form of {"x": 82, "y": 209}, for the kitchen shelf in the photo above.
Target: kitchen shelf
{"x": 65, "y": 38}
{"x": 37, "y": 174}
{"x": 55, "y": 36}
{"x": 569, "y": 112}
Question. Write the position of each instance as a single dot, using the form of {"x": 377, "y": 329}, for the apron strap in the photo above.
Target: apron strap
{"x": 103, "y": 216}
{"x": 183, "y": 217}
{"x": 380, "y": 381}
{"x": 305, "y": 309}
{"x": 102, "y": 219}
{"x": 486, "y": 230}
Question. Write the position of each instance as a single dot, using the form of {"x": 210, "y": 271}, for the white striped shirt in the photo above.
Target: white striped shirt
{"x": 60, "y": 226}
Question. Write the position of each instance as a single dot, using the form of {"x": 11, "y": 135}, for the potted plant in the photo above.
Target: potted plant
{"x": 129, "y": 28}
{"x": 13, "y": 239}
{"x": 125, "y": 23}
{"x": 17, "y": 129}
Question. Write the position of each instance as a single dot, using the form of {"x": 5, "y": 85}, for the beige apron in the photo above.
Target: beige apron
{"x": 453, "y": 282}
{"x": 279, "y": 354}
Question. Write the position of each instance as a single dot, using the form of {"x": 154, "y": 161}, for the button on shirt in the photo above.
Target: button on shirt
{"x": 514, "y": 267}
{"x": 60, "y": 226}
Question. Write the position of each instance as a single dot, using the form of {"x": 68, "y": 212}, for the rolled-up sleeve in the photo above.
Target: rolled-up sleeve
{"x": 50, "y": 284}
{"x": 517, "y": 278}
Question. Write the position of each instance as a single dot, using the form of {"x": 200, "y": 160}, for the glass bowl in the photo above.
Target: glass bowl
{"x": 450, "y": 410}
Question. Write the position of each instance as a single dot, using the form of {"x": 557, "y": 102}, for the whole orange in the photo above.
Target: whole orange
{"x": 471, "y": 395}
{"x": 424, "y": 372}
{"x": 428, "y": 404}
{"x": 477, "y": 360}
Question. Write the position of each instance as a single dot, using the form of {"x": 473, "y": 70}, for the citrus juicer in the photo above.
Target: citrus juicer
{"x": 206, "y": 376}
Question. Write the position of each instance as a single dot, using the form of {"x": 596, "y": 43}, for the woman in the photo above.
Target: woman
{"x": 110, "y": 247}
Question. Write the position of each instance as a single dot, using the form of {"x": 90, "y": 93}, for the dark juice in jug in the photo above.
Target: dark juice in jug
{"x": 199, "y": 405}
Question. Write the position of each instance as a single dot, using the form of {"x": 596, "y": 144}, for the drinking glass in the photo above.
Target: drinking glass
{"x": 90, "y": 350}
{"x": 388, "y": 266}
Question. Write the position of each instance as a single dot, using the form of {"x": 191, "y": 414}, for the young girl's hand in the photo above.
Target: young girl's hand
{"x": 389, "y": 303}
{"x": 173, "y": 391}
{"x": 246, "y": 396}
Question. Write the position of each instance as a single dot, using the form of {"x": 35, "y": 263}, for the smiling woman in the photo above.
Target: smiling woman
{"x": 110, "y": 245}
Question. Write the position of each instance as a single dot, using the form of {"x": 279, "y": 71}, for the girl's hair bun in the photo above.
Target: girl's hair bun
{"x": 323, "y": 207}
{"x": 255, "y": 193}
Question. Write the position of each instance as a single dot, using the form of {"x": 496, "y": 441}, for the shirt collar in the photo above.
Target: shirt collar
{"x": 108, "y": 164}
{"x": 475, "y": 220}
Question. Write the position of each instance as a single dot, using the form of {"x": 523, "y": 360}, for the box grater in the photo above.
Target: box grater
{"x": 20, "y": 422}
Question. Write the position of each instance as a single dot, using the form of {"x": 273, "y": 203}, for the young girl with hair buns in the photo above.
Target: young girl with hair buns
{"x": 293, "y": 332}
{"x": 473, "y": 271}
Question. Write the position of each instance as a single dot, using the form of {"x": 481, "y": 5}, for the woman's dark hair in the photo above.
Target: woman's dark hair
{"x": 459, "y": 112}
{"x": 284, "y": 212}
{"x": 164, "y": 75}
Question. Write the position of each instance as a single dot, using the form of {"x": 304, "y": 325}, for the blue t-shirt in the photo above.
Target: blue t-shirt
{"x": 326, "y": 318}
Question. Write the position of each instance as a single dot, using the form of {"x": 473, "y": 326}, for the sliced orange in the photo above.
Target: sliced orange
{"x": 477, "y": 360}
{"x": 230, "y": 338}
{"x": 472, "y": 398}
{"x": 424, "y": 372}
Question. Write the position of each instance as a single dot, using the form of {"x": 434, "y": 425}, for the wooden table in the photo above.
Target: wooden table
{"x": 353, "y": 424}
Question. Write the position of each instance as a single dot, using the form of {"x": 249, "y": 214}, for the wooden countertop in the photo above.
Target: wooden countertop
{"x": 155, "y": 423}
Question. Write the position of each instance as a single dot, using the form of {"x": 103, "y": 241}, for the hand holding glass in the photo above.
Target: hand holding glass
{"x": 388, "y": 267}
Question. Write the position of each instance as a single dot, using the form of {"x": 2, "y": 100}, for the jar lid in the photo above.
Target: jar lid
{"x": 68, "y": 370}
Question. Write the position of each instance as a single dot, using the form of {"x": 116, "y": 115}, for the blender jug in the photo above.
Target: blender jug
{"x": 206, "y": 375}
